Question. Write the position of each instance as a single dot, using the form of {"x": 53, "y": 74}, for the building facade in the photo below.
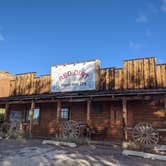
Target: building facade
{"x": 117, "y": 101}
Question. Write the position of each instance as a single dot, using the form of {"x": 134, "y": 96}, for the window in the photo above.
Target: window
{"x": 15, "y": 116}
{"x": 65, "y": 113}
{"x": 35, "y": 115}
{"x": 27, "y": 116}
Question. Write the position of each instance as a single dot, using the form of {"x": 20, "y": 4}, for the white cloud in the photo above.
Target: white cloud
{"x": 141, "y": 19}
{"x": 163, "y": 7}
{"x": 1, "y": 37}
{"x": 135, "y": 45}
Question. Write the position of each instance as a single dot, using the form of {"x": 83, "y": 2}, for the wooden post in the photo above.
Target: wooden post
{"x": 59, "y": 105}
{"x": 88, "y": 111}
{"x": 31, "y": 114}
{"x": 124, "y": 104}
{"x": 24, "y": 116}
{"x": 6, "y": 117}
{"x": 165, "y": 104}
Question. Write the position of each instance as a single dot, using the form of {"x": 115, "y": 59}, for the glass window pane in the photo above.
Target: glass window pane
{"x": 65, "y": 113}
{"x": 36, "y": 115}
{"x": 27, "y": 116}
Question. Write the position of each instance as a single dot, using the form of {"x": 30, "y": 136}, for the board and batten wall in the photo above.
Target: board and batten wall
{"x": 136, "y": 74}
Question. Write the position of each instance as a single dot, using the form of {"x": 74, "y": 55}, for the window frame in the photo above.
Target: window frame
{"x": 38, "y": 119}
{"x": 67, "y": 113}
{"x": 28, "y": 116}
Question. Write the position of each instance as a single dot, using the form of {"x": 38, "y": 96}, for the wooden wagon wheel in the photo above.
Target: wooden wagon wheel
{"x": 15, "y": 127}
{"x": 144, "y": 134}
{"x": 59, "y": 130}
{"x": 71, "y": 129}
{"x": 4, "y": 127}
{"x": 68, "y": 129}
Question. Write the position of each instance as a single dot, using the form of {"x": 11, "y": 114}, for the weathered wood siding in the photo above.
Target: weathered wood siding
{"x": 78, "y": 112}
{"x": 150, "y": 111}
{"x": 27, "y": 84}
{"x": 116, "y": 122}
{"x": 161, "y": 75}
{"x": 5, "y": 79}
{"x": 103, "y": 115}
{"x": 135, "y": 74}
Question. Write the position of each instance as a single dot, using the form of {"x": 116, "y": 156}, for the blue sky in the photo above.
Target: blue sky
{"x": 35, "y": 34}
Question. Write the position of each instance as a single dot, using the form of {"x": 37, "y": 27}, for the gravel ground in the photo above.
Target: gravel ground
{"x": 33, "y": 153}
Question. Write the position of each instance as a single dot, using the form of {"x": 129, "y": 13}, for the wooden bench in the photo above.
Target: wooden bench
{"x": 98, "y": 133}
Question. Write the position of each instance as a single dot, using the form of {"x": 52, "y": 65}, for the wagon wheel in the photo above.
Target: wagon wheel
{"x": 144, "y": 134}
{"x": 68, "y": 129}
{"x": 71, "y": 129}
{"x": 4, "y": 128}
{"x": 59, "y": 130}
{"x": 15, "y": 126}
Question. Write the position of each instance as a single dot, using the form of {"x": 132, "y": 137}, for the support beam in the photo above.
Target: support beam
{"x": 124, "y": 105}
{"x": 6, "y": 112}
{"x": 165, "y": 105}
{"x": 24, "y": 116}
{"x": 88, "y": 112}
{"x": 59, "y": 105}
{"x": 31, "y": 114}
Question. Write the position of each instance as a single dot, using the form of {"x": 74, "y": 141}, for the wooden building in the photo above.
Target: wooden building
{"x": 122, "y": 98}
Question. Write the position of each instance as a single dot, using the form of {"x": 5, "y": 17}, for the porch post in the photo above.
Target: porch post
{"x": 59, "y": 105}
{"x": 165, "y": 104}
{"x": 6, "y": 112}
{"x": 88, "y": 111}
{"x": 31, "y": 113}
{"x": 124, "y": 105}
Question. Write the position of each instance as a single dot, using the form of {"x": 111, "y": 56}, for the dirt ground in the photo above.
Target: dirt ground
{"x": 33, "y": 153}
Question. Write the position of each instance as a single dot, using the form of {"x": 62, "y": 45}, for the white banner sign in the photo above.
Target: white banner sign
{"x": 73, "y": 77}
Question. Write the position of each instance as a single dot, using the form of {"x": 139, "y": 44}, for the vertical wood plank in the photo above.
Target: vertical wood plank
{"x": 112, "y": 78}
{"x": 130, "y": 71}
{"x": 158, "y": 78}
{"x": 125, "y": 71}
{"x": 140, "y": 73}
{"x": 128, "y": 74}
{"x": 116, "y": 79}
{"x": 107, "y": 79}
{"x": 146, "y": 77}
{"x": 163, "y": 75}
{"x": 102, "y": 79}
{"x": 120, "y": 79}
{"x": 152, "y": 79}
{"x": 97, "y": 75}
